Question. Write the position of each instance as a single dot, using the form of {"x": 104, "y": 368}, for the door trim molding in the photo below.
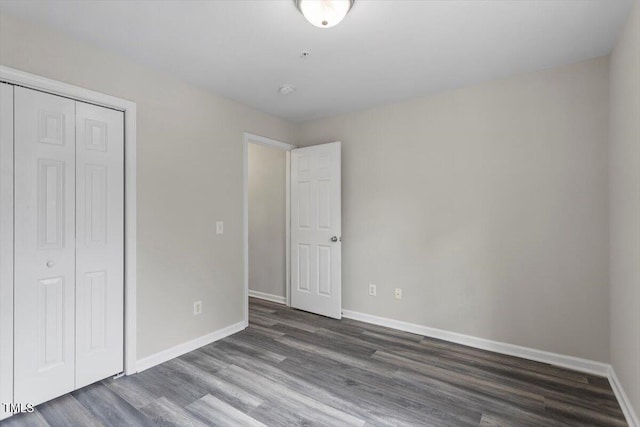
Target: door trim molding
{"x": 43, "y": 84}
{"x": 261, "y": 140}
{"x": 6, "y": 261}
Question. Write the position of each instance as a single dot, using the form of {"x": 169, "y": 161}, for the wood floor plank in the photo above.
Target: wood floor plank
{"x": 338, "y": 356}
{"x": 285, "y": 397}
{"x": 131, "y": 389}
{"x": 496, "y": 370}
{"x": 66, "y": 410}
{"x": 317, "y": 384}
{"x": 582, "y": 414}
{"x": 480, "y": 400}
{"x": 164, "y": 413}
{"x": 293, "y": 368}
{"x": 356, "y": 348}
{"x": 489, "y": 420}
{"x": 161, "y": 381}
{"x": 258, "y": 302}
{"x": 208, "y": 381}
{"x": 261, "y": 319}
{"x": 27, "y": 419}
{"x": 304, "y": 385}
{"x": 513, "y": 394}
{"x": 478, "y": 354}
{"x": 204, "y": 361}
{"x": 253, "y": 351}
{"x": 215, "y": 412}
{"x": 499, "y": 384}
{"x": 261, "y": 309}
{"x": 304, "y": 326}
{"x": 307, "y": 384}
{"x": 109, "y": 408}
{"x": 397, "y": 408}
{"x": 264, "y": 330}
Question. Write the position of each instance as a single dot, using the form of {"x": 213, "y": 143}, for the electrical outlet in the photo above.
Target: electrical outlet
{"x": 197, "y": 308}
{"x": 372, "y": 290}
{"x": 219, "y": 227}
{"x": 398, "y": 293}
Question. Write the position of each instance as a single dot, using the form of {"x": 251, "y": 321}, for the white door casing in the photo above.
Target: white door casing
{"x": 316, "y": 242}
{"x": 44, "y": 261}
{"x": 99, "y": 243}
{"x": 250, "y": 138}
{"x": 6, "y": 247}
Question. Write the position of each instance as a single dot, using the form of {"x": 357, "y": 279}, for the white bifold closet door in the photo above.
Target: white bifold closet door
{"x": 99, "y": 243}
{"x": 44, "y": 260}
{"x": 68, "y": 264}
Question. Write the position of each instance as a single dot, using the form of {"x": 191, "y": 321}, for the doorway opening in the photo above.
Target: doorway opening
{"x": 266, "y": 219}
{"x": 298, "y": 263}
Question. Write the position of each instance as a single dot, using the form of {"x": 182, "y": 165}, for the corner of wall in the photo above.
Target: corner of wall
{"x": 624, "y": 215}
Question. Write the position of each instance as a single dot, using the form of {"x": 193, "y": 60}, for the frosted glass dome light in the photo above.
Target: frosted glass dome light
{"x": 324, "y": 13}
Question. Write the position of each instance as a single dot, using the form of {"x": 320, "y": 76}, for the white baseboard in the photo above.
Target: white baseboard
{"x": 623, "y": 399}
{"x": 268, "y": 297}
{"x": 575, "y": 363}
{"x": 564, "y": 361}
{"x": 180, "y": 349}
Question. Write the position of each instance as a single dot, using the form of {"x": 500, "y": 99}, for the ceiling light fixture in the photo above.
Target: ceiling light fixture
{"x": 324, "y": 13}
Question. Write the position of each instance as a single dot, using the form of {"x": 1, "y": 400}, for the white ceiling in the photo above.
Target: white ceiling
{"x": 383, "y": 51}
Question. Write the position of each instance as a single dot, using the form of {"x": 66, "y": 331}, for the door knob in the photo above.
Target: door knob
{"x": 334, "y": 239}
{"x": 50, "y": 264}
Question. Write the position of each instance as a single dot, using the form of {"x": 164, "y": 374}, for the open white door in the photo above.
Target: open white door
{"x": 316, "y": 242}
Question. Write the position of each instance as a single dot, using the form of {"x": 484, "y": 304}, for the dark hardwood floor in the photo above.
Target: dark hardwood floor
{"x": 291, "y": 368}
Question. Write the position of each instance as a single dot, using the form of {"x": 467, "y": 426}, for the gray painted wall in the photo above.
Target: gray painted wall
{"x": 487, "y": 205}
{"x": 189, "y": 176}
{"x": 624, "y": 187}
{"x": 267, "y": 205}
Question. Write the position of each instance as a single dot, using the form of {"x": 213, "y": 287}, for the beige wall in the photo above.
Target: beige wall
{"x": 267, "y": 214}
{"x": 189, "y": 175}
{"x": 624, "y": 170}
{"x": 487, "y": 205}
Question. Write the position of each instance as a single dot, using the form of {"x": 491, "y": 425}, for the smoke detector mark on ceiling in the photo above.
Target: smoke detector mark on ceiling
{"x": 286, "y": 90}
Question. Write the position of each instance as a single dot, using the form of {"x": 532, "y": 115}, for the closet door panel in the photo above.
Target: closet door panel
{"x": 100, "y": 243}
{"x": 44, "y": 287}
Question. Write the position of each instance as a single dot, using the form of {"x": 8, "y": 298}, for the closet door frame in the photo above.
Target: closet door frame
{"x": 6, "y": 252}
{"x": 43, "y": 84}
